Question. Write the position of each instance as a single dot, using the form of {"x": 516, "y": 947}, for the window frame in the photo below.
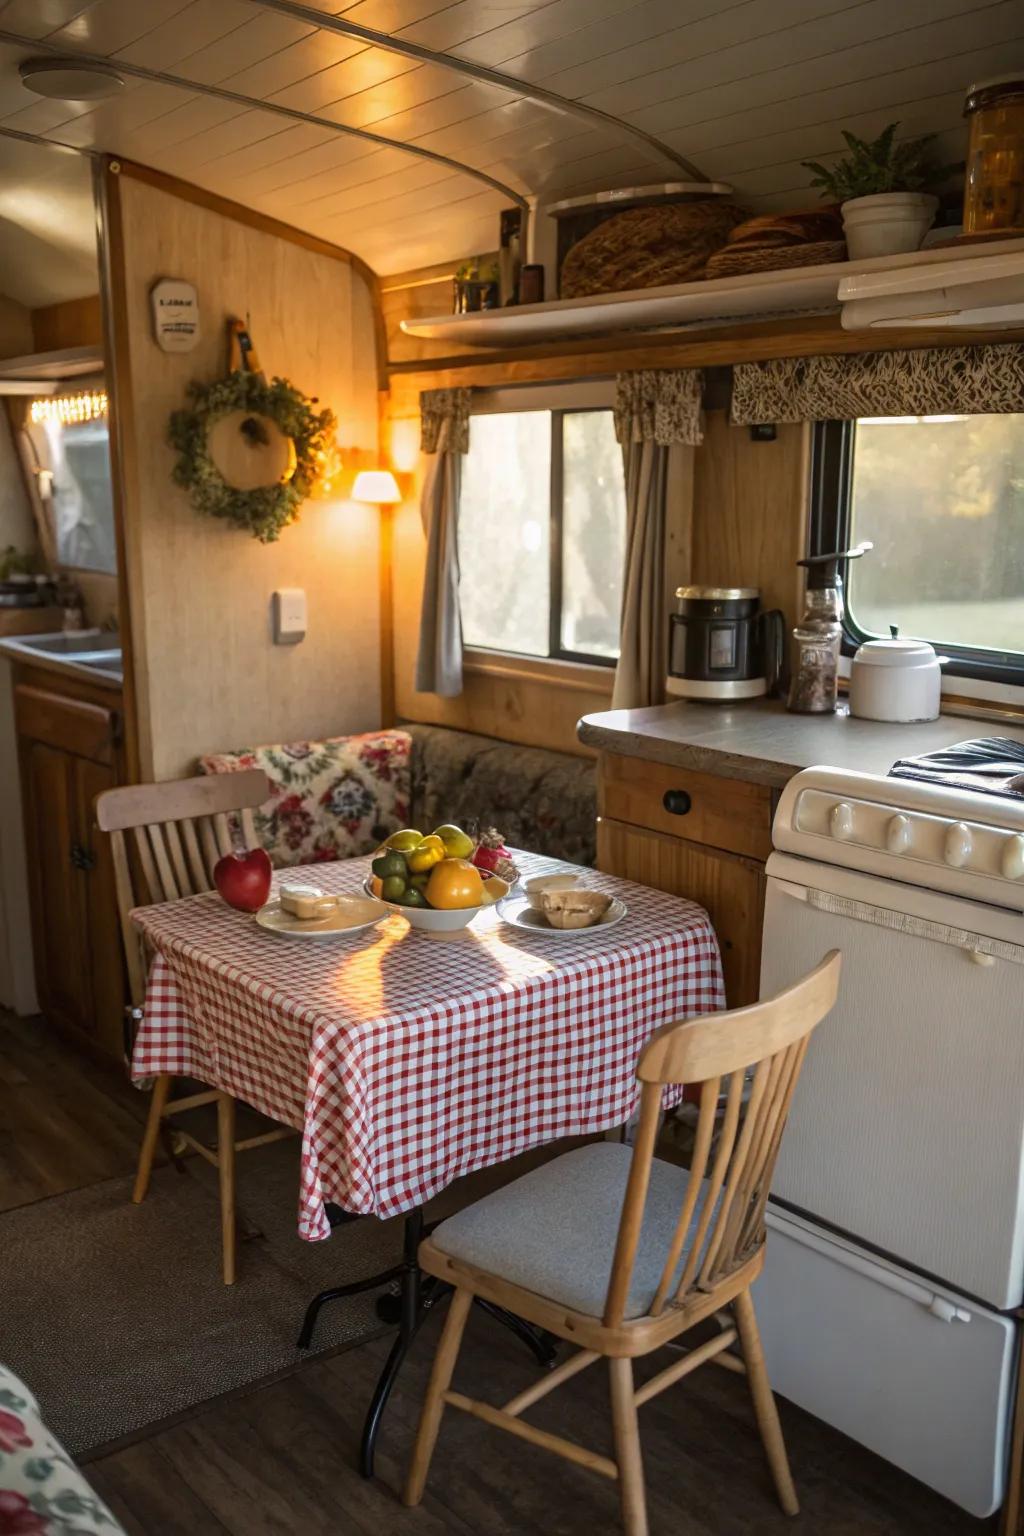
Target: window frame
{"x": 832, "y": 456}
{"x": 559, "y": 403}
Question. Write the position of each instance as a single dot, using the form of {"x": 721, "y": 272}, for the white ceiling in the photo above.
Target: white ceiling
{"x": 744, "y": 90}
{"x": 47, "y": 225}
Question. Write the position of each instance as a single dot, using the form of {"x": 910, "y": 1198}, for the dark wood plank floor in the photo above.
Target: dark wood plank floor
{"x": 279, "y": 1460}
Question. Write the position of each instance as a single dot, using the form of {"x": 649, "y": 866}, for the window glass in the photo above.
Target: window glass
{"x": 78, "y": 455}
{"x": 505, "y": 532}
{"x": 593, "y": 533}
{"x": 542, "y": 515}
{"x": 942, "y": 500}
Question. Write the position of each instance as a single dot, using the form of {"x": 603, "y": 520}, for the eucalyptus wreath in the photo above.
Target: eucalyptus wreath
{"x": 269, "y": 508}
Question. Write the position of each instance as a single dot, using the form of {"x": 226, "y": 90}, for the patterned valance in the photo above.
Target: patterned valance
{"x": 935, "y": 381}
{"x": 660, "y": 406}
{"x": 444, "y": 420}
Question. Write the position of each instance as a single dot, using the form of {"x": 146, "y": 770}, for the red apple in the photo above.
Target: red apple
{"x": 243, "y": 879}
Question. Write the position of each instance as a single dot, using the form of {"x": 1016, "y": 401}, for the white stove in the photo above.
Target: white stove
{"x": 897, "y": 1226}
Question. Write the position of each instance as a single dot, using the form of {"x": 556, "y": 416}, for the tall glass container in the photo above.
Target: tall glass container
{"x": 994, "y": 190}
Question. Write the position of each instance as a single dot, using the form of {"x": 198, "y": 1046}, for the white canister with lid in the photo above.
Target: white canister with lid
{"x": 899, "y": 680}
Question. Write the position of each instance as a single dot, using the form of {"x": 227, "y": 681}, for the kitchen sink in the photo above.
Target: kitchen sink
{"x": 82, "y": 651}
{"x": 77, "y": 643}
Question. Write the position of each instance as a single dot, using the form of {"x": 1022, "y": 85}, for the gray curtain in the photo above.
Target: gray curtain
{"x": 655, "y": 412}
{"x": 444, "y": 433}
{"x": 933, "y": 381}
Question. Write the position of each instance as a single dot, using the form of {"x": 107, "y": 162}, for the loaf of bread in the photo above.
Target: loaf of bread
{"x": 647, "y": 247}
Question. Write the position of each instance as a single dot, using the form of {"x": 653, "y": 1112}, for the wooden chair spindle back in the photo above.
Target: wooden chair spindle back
{"x": 752, "y": 1058}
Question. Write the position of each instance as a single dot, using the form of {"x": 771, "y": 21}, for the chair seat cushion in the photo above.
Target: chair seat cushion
{"x": 332, "y": 799}
{"x": 553, "y": 1231}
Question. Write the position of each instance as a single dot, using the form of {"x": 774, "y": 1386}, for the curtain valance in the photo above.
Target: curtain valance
{"x": 660, "y": 406}
{"x": 935, "y": 381}
{"x": 444, "y": 420}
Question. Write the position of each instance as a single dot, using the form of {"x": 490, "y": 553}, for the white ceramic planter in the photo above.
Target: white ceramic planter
{"x": 887, "y": 224}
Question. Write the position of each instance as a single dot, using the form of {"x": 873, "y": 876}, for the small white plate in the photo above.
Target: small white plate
{"x": 353, "y": 914}
{"x": 517, "y": 911}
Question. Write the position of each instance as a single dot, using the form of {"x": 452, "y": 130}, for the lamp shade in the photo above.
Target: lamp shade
{"x": 377, "y": 485}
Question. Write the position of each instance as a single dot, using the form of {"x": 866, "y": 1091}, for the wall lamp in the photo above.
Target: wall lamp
{"x": 378, "y": 486}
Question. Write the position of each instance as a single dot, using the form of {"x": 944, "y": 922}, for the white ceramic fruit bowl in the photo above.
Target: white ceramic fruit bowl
{"x": 436, "y": 919}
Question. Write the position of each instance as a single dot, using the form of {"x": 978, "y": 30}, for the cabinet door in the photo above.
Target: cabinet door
{"x": 729, "y": 887}
{"x": 59, "y": 940}
{"x": 107, "y": 993}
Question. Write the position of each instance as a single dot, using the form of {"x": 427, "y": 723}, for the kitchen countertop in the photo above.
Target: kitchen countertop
{"x": 761, "y": 742}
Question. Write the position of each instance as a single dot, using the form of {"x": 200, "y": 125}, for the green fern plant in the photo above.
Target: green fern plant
{"x": 879, "y": 166}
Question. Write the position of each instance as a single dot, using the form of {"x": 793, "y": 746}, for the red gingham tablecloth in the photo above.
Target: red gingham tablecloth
{"x": 408, "y": 1059}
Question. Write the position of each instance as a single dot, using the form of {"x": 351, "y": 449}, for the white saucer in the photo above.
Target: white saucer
{"x": 353, "y": 914}
{"x": 518, "y": 913}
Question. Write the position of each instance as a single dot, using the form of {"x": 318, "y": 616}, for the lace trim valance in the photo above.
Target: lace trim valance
{"x": 444, "y": 420}
{"x": 935, "y": 381}
{"x": 660, "y": 406}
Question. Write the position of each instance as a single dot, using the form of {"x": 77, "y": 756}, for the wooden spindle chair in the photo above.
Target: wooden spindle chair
{"x": 620, "y": 1253}
{"x": 179, "y": 830}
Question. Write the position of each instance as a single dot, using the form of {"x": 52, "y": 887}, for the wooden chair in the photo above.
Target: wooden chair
{"x": 179, "y": 831}
{"x": 619, "y": 1252}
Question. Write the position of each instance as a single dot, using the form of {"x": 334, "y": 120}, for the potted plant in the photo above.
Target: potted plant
{"x": 883, "y": 188}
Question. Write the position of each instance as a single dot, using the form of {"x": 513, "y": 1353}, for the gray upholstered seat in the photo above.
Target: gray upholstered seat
{"x": 553, "y": 1231}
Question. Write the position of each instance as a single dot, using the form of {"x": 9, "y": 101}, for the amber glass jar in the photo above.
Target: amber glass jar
{"x": 994, "y": 193}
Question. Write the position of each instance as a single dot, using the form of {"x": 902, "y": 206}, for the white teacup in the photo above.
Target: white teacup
{"x": 306, "y": 901}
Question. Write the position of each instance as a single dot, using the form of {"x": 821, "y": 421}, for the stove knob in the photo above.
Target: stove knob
{"x": 841, "y": 821}
{"x": 1012, "y": 862}
{"x": 959, "y": 844}
{"x": 899, "y": 834}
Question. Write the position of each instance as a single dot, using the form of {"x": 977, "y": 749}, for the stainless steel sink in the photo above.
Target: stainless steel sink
{"x": 83, "y": 651}
{"x": 77, "y": 643}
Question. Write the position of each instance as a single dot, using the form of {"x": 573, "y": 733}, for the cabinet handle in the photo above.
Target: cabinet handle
{"x": 81, "y": 858}
{"x": 676, "y": 801}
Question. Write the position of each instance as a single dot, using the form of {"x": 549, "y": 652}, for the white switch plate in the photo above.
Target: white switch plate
{"x": 289, "y": 616}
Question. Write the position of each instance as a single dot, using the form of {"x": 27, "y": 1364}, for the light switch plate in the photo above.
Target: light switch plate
{"x": 289, "y": 616}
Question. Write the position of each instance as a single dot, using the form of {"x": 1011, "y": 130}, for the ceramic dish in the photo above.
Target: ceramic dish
{"x": 518, "y": 913}
{"x": 436, "y": 919}
{"x": 353, "y": 914}
{"x": 536, "y": 887}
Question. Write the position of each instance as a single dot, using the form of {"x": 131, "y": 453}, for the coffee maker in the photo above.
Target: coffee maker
{"x": 722, "y": 645}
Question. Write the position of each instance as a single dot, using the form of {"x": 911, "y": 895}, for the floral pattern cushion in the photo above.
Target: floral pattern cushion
{"x": 332, "y": 799}
{"x": 42, "y": 1492}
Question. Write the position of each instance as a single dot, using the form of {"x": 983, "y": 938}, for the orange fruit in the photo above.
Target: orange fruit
{"x": 454, "y": 883}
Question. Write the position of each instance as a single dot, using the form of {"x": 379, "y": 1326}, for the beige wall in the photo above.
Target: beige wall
{"x": 208, "y": 675}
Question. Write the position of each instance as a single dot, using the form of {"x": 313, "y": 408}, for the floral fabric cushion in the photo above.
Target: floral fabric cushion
{"x": 332, "y": 799}
{"x": 42, "y": 1492}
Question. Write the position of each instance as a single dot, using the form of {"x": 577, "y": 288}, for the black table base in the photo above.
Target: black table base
{"x": 418, "y": 1295}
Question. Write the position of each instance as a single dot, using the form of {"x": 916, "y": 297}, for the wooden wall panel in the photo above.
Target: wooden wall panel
{"x": 74, "y": 323}
{"x": 208, "y": 673}
{"x": 750, "y": 511}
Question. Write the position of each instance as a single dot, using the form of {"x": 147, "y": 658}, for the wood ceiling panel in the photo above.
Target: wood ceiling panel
{"x": 416, "y": 246}
{"x": 251, "y": 160}
{"x": 182, "y": 130}
{"x": 647, "y": 81}
{"x": 360, "y": 71}
{"x": 456, "y": 24}
{"x": 418, "y": 102}
{"x": 112, "y": 24}
{"x": 858, "y": 78}
{"x": 199, "y": 26}
{"x": 312, "y": 56}
{"x": 259, "y": 37}
{"x": 389, "y": 15}
{"x": 110, "y": 124}
{"x": 37, "y": 18}
{"x": 568, "y": 33}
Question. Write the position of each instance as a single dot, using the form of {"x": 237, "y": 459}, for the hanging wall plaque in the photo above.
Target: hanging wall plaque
{"x": 175, "y": 314}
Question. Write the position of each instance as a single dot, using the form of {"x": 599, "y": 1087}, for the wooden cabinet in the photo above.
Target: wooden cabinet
{"x": 68, "y": 752}
{"x": 696, "y": 835}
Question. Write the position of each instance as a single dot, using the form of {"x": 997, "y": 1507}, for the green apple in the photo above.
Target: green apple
{"x": 457, "y": 844}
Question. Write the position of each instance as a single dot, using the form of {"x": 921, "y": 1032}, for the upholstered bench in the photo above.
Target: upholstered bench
{"x": 340, "y": 797}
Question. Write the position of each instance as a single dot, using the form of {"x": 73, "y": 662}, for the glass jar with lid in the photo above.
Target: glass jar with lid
{"x": 994, "y": 189}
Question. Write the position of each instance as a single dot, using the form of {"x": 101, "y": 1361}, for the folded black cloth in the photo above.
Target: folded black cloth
{"x": 989, "y": 765}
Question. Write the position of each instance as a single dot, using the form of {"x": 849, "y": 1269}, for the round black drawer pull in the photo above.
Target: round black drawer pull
{"x": 676, "y": 801}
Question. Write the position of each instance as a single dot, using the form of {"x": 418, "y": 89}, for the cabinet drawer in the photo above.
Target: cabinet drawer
{"x": 70, "y": 725}
{"x": 700, "y": 807}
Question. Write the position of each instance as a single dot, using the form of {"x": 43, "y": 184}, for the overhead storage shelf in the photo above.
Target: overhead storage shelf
{"x": 760, "y": 295}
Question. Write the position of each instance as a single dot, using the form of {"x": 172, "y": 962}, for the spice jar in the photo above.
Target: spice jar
{"x": 994, "y": 191}
{"x": 819, "y": 635}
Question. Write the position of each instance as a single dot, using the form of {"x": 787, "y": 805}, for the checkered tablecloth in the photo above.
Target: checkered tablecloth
{"x": 407, "y": 1059}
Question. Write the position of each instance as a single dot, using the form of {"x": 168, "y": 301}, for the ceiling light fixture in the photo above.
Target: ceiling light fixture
{"x": 62, "y": 79}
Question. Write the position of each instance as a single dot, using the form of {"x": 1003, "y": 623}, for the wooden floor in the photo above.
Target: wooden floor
{"x": 279, "y": 1460}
